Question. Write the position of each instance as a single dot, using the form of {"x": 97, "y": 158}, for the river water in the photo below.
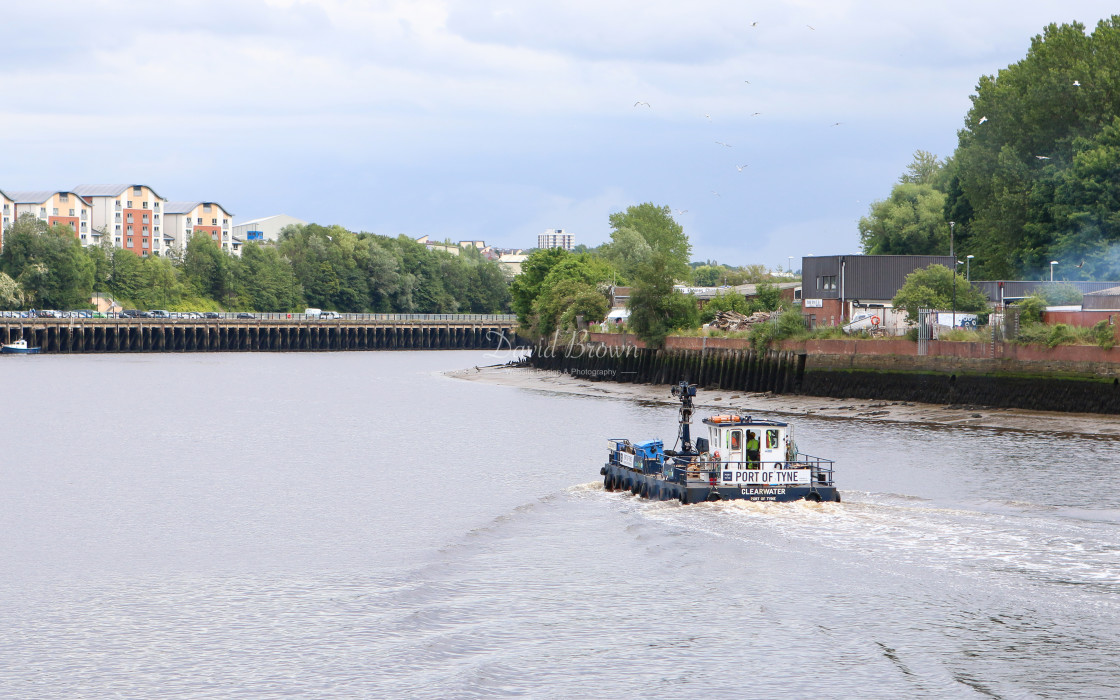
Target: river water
{"x": 360, "y": 525}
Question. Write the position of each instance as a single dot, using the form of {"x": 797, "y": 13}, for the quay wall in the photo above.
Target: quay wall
{"x": 229, "y": 335}
{"x": 1066, "y": 378}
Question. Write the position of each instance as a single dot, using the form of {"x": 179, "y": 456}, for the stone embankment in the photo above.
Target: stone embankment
{"x": 1084, "y": 379}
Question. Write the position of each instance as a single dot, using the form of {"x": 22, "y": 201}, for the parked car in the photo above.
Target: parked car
{"x": 329, "y": 315}
{"x": 245, "y": 314}
{"x": 159, "y": 313}
{"x": 130, "y": 313}
{"x": 190, "y": 315}
{"x": 211, "y": 314}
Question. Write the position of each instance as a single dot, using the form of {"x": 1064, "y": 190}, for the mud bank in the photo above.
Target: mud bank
{"x": 950, "y": 416}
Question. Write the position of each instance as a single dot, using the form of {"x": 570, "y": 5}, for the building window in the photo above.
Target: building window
{"x": 137, "y": 191}
{"x": 42, "y": 212}
{"x": 144, "y": 219}
{"x": 129, "y": 204}
{"x": 155, "y": 205}
{"x": 156, "y": 217}
{"x": 5, "y": 208}
{"x": 144, "y": 242}
{"x": 130, "y": 229}
{"x": 213, "y": 222}
{"x": 83, "y": 226}
{"x": 206, "y": 208}
{"x": 118, "y": 208}
{"x": 83, "y": 236}
{"x": 129, "y": 242}
{"x": 826, "y": 283}
{"x": 157, "y": 230}
{"x": 85, "y": 212}
{"x": 214, "y": 236}
{"x": 54, "y": 211}
{"x": 144, "y": 204}
{"x": 144, "y": 229}
{"x": 63, "y": 197}
{"x": 199, "y": 221}
{"x": 71, "y": 212}
{"x": 117, "y": 228}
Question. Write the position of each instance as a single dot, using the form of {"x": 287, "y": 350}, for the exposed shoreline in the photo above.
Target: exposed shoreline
{"x": 1088, "y": 424}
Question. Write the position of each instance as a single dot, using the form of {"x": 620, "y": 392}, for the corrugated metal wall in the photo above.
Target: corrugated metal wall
{"x": 864, "y": 277}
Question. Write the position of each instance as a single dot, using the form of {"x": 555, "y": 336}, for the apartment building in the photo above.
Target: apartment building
{"x": 181, "y": 220}
{"x": 7, "y": 215}
{"x": 66, "y": 208}
{"x": 129, "y": 215}
{"x": 555, "y": 238}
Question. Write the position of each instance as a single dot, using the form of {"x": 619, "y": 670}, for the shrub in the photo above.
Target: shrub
{"x": 1060, "y": 334}
{"x": 1104, "y": 335}
{"x": 1030, "y": 309}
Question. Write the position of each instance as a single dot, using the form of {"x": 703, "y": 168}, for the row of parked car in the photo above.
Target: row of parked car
{"x": 127, "y": 313}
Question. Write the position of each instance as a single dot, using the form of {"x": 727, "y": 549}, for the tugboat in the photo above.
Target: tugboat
{"x": 742, "y": 458}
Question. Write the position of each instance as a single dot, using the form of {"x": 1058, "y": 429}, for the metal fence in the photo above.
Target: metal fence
{"x": 274, "y": 316}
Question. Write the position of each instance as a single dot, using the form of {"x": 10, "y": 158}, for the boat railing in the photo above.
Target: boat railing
{"x": 701, "y": 470}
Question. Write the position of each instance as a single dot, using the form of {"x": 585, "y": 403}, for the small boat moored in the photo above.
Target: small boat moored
{"x": 18, "y": 347}
{"x": 742, "y": 458}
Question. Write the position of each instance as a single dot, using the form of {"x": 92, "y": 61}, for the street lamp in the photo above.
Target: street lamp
{"x": 1052, "y": 264}
{"x": 958, "y": 262}
{"x": 952, "y": 254}
{"x": 791, "y": 263}
{"x": 968, "y": 267}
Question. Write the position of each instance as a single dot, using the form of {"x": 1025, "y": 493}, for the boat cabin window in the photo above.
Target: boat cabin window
{"x": 736, "y": 439}
{"x": 771, "y": 439}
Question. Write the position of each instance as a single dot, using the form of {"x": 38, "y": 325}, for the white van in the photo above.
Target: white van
{"x": 312, "y": 313}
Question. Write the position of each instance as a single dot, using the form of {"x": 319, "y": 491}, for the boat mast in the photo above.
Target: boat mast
{"x": 685, "y": 391}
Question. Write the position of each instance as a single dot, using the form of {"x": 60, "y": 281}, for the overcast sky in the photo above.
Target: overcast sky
{"x": 498, "y": 119}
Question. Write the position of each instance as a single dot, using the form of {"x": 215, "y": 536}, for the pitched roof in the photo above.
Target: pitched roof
{"x": 38, "y": 196}
{"x": 1110, "y": 292}
{"x": 106, "y": 190}
{"x": 179, "y": 207}
{"x": 187, "y": 207}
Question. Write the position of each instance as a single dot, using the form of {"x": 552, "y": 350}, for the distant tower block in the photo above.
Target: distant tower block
{"x": 554, "y": 238}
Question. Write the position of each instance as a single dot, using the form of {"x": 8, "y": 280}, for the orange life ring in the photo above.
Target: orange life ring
{"x": 874, "y": 320}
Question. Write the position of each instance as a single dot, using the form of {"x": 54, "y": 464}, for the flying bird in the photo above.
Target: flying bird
{"x": 681, "y": 211}
{"x": 1082, "y": 263}
{"x": 1043, "y": 157}
{"x": 641, "y": 103}
{"x": 756, "y": 114}
{"x": 810, "y": 27}
{"x": 982, "y": 120}
{"x": 724, "y": 144}
{"x": 754, "y": 24}
{"x": 837, "y": 123}
{"x": 708, "y": 117}
{"x": 740, "y": 167}
{"x": 715, "y": 193}
{"x": 747, "y": 82}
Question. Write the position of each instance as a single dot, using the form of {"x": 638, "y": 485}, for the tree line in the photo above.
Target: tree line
{"x": 45, "y": 266}
{"x": 1035, "y": 176}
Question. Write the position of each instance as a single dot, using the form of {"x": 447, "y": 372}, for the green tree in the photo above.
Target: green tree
{"x": 11, "y": 295}
{"x": 526, "y": 287}
{"x": 932, "y": 288}
{"x": 1012, "y": 193}
{"x": 48, "y": 263}
{"x": 909, "y": 222}
{"x": 664, "y": 236}
{"x": 656, "y": 308}
{"x": 266, "y": 281}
